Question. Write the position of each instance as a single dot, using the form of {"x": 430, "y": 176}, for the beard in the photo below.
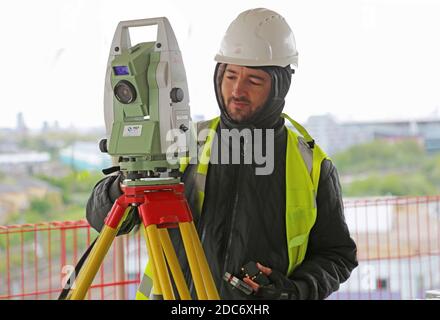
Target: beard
{"x": 240, "y": 113}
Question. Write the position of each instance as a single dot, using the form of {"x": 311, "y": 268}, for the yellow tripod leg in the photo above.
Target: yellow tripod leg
{"x": 158, "y": 258}
{"x": 93, "y": 263}
{"x": 211, "y": 289}
{"x": 156, "y": 290}
{"x": 185, "y": 230}
{"x": 174, "y": 265}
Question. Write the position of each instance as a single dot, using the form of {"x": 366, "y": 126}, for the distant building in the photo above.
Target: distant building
{"x": 83, "y": 155}
{"x": 424, "y": 131}
{"x": 334, "y": 136}
{"x": 45, "y": 127}
{"x": 9, "y": 146}
{"x": 23, "y": 161}
{"x": 16, "y": 194}
{"x": 398, "y": 247}
{"x": 21, "y": 126}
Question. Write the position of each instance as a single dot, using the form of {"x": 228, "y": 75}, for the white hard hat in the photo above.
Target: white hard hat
{"x": 258, "y": 37}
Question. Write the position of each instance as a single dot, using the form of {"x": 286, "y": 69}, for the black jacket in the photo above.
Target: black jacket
{"x": 243, "y": 219}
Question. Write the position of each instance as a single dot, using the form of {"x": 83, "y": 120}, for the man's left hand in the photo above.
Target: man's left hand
{"x": 265, "y": 270}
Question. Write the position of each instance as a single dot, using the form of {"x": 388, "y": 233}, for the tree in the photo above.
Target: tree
{"x": 384, "y": 168}
{"x": 393, "y": 184}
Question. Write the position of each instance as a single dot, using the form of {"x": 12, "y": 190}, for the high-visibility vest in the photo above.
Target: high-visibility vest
{"x": 303, "y": 167}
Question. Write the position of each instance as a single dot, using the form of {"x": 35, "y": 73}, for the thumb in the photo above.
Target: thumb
{"x": 265, "y": 270}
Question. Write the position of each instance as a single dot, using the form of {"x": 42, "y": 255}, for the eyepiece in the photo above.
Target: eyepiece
{"x": 125, "y": 92}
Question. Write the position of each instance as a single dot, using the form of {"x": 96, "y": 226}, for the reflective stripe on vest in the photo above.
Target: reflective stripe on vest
{"x": 303, "y": 167}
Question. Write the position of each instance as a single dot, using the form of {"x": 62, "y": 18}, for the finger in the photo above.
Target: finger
{"x": 266, "y": 270}
{"x": 253, "y": 284}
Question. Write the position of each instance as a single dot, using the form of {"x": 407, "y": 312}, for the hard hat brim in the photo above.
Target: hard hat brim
{"x": 292, "y": 60}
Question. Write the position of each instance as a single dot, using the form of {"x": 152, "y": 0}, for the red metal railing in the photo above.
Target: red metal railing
{"x": 398, "y": 241}
{"x": 36, "y": 260}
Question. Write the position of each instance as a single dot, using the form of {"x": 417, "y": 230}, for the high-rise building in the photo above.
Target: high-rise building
{"x": 21, "y": 126}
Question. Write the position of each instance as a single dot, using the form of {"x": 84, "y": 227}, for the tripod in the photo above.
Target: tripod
{"x": 160, "y": 207}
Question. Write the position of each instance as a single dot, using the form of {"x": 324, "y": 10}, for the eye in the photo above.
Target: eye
{"x": 255, "y": 83}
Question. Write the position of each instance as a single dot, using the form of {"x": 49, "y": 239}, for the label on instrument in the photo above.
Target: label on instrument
{"x": 132, "y": 131}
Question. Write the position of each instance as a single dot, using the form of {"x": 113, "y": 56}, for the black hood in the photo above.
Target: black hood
{"x": 268, "y": 117}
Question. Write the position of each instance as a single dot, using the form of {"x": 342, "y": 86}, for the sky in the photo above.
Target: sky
{"x": 358, "y": 60}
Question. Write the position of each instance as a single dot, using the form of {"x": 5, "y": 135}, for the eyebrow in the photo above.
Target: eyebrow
{"x": 251, "y": 76}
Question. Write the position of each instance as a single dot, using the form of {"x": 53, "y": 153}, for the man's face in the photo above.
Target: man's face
{"x": 244, "y": 91}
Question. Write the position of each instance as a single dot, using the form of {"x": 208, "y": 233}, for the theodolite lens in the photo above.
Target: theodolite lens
{"x": 125, "y": 92}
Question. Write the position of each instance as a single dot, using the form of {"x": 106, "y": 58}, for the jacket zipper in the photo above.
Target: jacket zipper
{"x": 234, "y": 212}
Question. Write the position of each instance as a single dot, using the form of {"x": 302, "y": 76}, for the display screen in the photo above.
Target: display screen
{"x": 121, "y": 70}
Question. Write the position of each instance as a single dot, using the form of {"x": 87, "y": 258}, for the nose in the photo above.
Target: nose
{"x": 238, "y": 88}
